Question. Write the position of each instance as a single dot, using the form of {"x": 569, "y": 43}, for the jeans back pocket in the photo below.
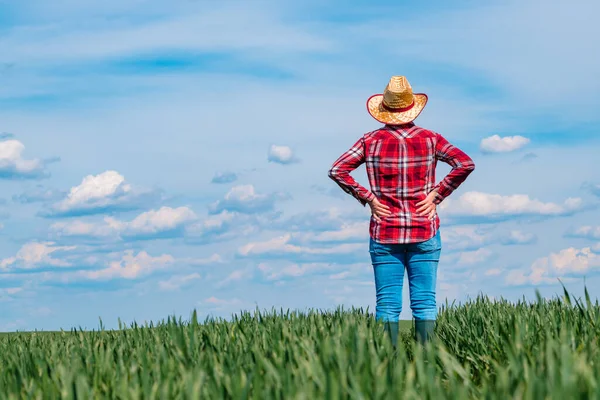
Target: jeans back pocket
{"x": 433, "y": 244}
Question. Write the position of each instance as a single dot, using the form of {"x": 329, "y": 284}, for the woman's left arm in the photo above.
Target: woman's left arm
{"x": 462, "y": 165}
{"x": 348, "y": 162}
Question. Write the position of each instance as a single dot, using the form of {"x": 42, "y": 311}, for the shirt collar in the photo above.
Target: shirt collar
{"x": 402, "y": 130}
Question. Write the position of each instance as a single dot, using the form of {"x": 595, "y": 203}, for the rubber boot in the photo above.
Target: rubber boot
{"x": 424, "y": 330}
{"x": 391, "y": 329}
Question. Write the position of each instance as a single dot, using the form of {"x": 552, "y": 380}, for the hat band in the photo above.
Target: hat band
{"x": 398, "y": 109}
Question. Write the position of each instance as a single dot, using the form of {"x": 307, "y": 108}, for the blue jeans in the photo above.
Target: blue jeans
{"x": 420, "y": 261}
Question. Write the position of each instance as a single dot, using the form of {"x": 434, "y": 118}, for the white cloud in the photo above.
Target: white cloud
{"x": 586, "y": 232}
{"x": 329, "y": 219}
{"x": 131, "y": 266}
{"x": 292, "y": 270}
{"x": 96, "y": 188}
{"x": 497, "y": 144}
{"x": 281, "y": 246}
{"x": 100, "y": 193}
{"x": 37, "y": 194}
{"x": 593, "y": 188}
{"x": 75, "y": 228}
{"x": 565, "y": 264}
{"x": 163, "y": 219}
{"x": 228, "y": 225}
{"x": 177, "y": 282}
{"x": 218, "y": 221}
{"x": 452, "y": 290}
{"x": 236, "y": 276}
{"x": 150, "y": 224}
{"x": 455, "y": 238}
{"x": 472, "y": 237}
{"x": 245, "y": 200}
{"x": 340, "y": 275}
{"x": 9, "y": 291}
{"x": 281, "y": 155}
{"x": 295, "y": 270}
{"x": 516, "y": 237}
{"x": 37, "y": 254}
{"x": 480, "y": 204}
{"x": 224, "y": 177}
{"x": 213, "y": 259}
{"x": 214, "y": 300}
{"x": 340, "y": 295}
{"x": 14, "y": 166}
{"x": 493, "y": 272}
{"x": 474, "y": 257}
{"x": 279, "y": 271}
{"x": 110, "y": 266}
{"x": 18, "y": 324}
{"x": 348, "y": 232}
{"x": 134, "y": 266}
{"x": 218, "y": 226}
{"x": 215, "y": 304}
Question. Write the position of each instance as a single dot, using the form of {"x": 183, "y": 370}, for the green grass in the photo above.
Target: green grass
{"x": 484, "y": 350}
{"x": 404, "y": 326}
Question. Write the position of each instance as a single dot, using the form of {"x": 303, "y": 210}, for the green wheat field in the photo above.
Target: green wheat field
{"x": 484, "y": 349}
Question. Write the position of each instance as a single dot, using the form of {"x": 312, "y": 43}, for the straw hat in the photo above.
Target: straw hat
{"x": 397, "y": 105}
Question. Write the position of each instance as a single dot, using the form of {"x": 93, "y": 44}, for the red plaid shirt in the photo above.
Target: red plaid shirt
{"x": 400, "y": 163}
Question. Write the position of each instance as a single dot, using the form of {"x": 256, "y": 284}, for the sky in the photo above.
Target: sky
{"x": 159, "y": 157}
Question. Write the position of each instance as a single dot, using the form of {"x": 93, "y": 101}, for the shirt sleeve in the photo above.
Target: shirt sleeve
{"x": 462, "y": 166}
{"x": 340, "y": 172}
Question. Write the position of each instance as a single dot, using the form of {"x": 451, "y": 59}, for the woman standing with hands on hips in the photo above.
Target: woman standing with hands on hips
{"x": 400, "y": 159}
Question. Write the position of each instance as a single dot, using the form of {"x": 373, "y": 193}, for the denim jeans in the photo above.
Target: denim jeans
{"x": 420, "y": 260}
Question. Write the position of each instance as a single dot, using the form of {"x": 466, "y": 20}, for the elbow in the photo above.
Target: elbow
{"x": 470, "y": 166}
{"x": 332, "y": 174}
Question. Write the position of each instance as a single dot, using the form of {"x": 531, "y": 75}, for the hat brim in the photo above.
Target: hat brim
{"x": 377, "y": 111}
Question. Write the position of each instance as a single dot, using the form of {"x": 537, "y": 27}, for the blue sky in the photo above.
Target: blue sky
{"x": 158, "y": 157}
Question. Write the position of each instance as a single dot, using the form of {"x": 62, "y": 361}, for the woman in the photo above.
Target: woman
{"x": 400, "y": 160}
